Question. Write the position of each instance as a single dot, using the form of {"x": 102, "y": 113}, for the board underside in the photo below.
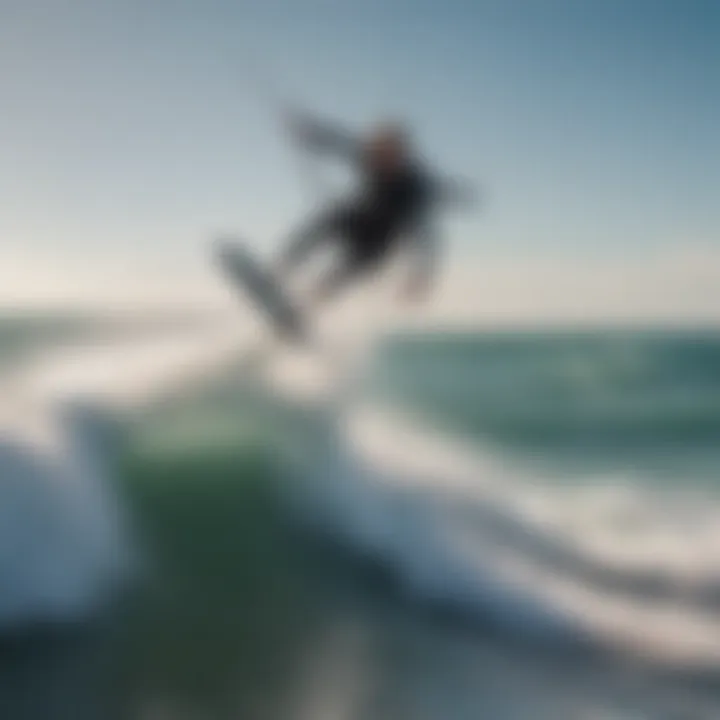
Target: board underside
{"x": 262, "y": 290}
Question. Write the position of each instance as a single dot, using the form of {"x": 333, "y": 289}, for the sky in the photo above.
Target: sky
{"x": 131, "y": 132}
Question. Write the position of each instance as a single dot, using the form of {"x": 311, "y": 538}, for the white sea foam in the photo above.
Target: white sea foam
{"x": 609, "y": 559}
{"x": 65, "y": 540}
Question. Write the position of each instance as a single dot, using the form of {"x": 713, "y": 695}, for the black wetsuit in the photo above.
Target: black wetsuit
{"x": 369, "y": 225}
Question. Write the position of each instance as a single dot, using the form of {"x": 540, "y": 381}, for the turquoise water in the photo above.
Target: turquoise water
{"x": 614, "y": 399}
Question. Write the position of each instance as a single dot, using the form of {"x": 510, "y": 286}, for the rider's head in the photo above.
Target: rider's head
{"x": 388, "y": 146}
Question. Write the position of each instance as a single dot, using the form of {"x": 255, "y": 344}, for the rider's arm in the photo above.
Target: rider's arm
{"x": 423, "y": 239}
{"x": 324, "y": 137}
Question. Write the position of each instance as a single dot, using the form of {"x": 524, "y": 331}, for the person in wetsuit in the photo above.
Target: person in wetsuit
{"x": 394, "y": 205}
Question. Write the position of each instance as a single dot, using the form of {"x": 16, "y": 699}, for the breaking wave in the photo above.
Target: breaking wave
{"x": 606, "y": 561}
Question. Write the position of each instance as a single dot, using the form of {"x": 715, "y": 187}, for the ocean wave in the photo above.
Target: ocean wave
{"x": 64, "y": 544}
{"x": 608, "y": 563}
{"x": 609, "y": 560}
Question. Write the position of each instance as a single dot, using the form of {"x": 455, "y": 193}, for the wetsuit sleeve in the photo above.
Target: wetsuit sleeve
{"x": 325, "y": 137}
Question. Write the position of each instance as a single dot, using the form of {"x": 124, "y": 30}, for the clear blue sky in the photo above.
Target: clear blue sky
{"x": 130, "y": 125}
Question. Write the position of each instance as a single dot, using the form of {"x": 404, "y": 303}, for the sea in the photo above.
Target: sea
{"x": 481, "y": 524}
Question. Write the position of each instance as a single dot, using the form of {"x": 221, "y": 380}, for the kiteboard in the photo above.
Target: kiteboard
{"x": 260, "y": 287}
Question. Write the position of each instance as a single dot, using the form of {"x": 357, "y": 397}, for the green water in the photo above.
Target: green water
{"x": 226, "y": 598}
